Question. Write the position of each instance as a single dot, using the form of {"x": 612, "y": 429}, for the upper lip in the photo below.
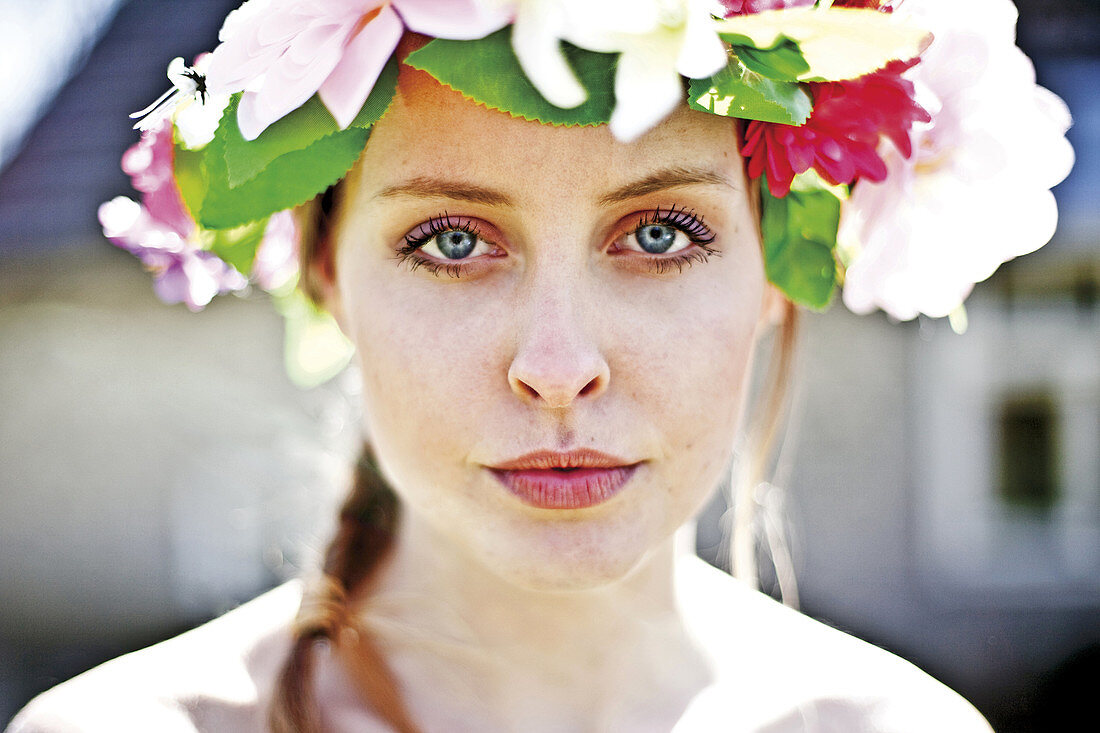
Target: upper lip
{"x": 549, "y": 459}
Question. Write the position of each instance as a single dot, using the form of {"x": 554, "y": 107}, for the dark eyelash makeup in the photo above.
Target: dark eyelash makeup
{"x": 682, "y": 218}
{"x": 677, "y": 217}
{"x": 435, "y": 226}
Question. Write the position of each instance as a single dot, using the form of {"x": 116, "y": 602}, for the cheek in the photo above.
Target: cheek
{"x": 425, "y": 366}
{"x": 690, "y": 358}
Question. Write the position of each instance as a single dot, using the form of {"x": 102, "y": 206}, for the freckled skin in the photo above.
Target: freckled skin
{"x": 555, "y": 343}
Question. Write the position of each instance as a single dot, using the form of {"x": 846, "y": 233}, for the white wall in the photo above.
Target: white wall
{"x": 155, "y": 465}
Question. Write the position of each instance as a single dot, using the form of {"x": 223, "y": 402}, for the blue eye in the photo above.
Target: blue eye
{"x": 456, "y": 244}
{"x": 655, "y": 238}
{"x": 447, "y": 238}
{"x": 667, "y": 231}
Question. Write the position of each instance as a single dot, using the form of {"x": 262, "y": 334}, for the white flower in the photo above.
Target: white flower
{"x": 976, "y": 192}
{"x": 537, "y": 29}
{"x": 659, "y": 40}
{"x": 187, "y": 84}
{"x": 197, "y": 119}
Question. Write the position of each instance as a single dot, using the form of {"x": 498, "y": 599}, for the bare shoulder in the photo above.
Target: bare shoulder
{"x": 779, "y": 670}
{"x": 215, "y": 677}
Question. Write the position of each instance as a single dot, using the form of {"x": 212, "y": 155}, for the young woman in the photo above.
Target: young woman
{"x": 554, "y": 323}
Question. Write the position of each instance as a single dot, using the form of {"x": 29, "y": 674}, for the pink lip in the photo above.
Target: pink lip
{"x": 573, "y": 480}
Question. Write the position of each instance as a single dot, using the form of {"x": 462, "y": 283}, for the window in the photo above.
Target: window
{"x": 1029, "y": 452}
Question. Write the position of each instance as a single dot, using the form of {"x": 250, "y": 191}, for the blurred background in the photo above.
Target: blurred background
{"x": 157, "y": 468}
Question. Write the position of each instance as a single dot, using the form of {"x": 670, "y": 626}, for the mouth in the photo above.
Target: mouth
{"x": 565, "y": 480}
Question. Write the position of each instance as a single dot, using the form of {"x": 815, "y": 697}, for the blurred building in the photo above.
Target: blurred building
{"x": 156, "y": 467}
{"x": 955, "y": 518}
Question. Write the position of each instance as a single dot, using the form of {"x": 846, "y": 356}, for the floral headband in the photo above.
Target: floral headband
{"x": 889, "y": 163}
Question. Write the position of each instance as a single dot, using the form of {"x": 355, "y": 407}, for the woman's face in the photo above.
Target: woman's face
{"x": 516, "y": 288}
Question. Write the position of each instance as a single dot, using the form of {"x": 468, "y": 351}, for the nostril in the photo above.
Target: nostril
{"x": 591, "y": 387}
{"x": 559, "y": 387}
{"x": 528, "y": 391}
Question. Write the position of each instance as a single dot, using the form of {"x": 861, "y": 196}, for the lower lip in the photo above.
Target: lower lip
{"x": 576, "y": 489}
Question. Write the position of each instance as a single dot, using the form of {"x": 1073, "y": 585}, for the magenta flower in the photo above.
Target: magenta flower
{"x": 841, "y": 138}
{"x": 281, "y": 52}
{"x": 886, "y": 6}
{"x": 749, "y": 7}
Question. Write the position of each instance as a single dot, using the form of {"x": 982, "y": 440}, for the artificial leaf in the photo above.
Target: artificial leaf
{"x": 738, "y": 92}
{"x": 236, "y": 246}
{"x": 837, "y": 43}
{"x": 314, "y": 348}
{"x": 287, "y": 180}
{"x": 245, "y": 159}
{"x": 488, "y": 72}
{"x": 187, "y": 165}
{"x": 782, "y": 62}
{"x": 799, "y": 232}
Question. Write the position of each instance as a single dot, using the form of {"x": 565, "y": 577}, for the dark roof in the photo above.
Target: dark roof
{"x": 69, "y": 164}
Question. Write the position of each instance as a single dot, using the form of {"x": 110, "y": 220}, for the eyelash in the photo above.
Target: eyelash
{"x": 410, "y": 253}
{"x": 678, "y": 217}
{"x": 684, "y": 220}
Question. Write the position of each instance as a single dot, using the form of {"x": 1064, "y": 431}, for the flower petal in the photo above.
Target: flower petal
{"x": 536, "y": 43}
{"x": 702, "y": 52}
{"x": 348, "y": 86}
{"x": 461, "y": 20}
{"x": 647, "y": 89}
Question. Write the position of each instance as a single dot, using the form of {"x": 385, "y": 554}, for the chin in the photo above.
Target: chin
{"x": 569, "y": 554}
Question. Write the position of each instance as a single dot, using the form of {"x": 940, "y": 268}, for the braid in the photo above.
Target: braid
{"x": 364, "y": 535}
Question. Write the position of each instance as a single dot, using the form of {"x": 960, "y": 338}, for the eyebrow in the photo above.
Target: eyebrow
{"x": 665, "y": 178}
{"x": 423, "y": 187}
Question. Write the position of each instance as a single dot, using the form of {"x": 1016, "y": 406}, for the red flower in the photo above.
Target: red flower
{"x": 886, "y": 6}
{"x": 748, "y": 7}
{"x": 841, "y": 137}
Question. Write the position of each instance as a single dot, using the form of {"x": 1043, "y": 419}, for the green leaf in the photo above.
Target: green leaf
{"x": 783, "y": 61}
{"x": 488, "y": 72}
{"x": 738, "y": 92}
{"x": 237, "y": 246}
{"x": 836, "y": 43}
{"x": 245, "y": 159}
{"x": 286, "y": 181}
{"x": 800, "y": 232}
{"x": 189, "y": 177}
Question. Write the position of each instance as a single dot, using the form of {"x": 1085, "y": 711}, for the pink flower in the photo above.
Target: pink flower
{"x": 281, "y": 52}
{"x": 976, "y": 191}
{"x": 841, "y": 138}
{"x": 182, "y": 272}
{"x": 161, "y": 233}
{"x": 149, "y": 165}
{"x": 276, "y": 261}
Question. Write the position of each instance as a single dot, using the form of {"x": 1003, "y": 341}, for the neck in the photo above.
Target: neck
{"x": 469, "y": 645}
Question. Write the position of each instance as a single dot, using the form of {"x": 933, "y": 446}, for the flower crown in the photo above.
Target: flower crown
{"x": 888, "y": 162}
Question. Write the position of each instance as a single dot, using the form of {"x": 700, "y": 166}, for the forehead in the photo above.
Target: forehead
{"x": 433, "y": 132}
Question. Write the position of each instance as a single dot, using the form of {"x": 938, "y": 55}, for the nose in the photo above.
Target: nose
{"x": 556, "y": 361}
